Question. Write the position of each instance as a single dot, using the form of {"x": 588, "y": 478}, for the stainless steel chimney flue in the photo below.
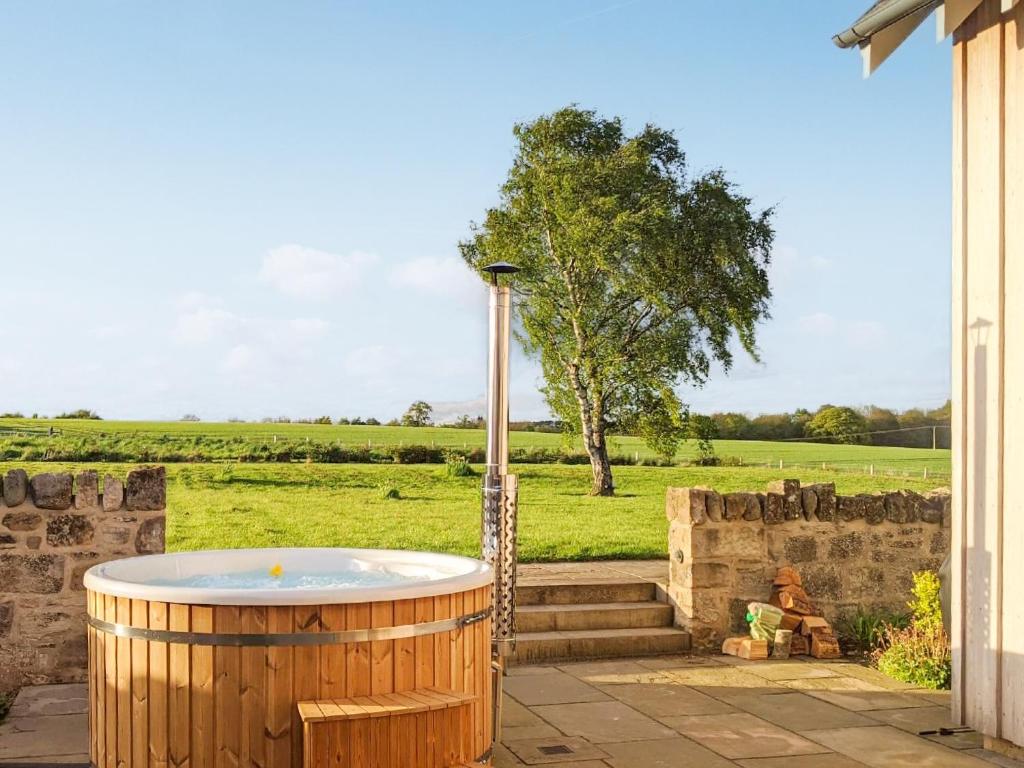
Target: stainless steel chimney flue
{"x": 500, "y": 489}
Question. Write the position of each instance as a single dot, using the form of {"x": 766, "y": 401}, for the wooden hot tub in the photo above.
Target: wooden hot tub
{"x": 187, "y": 668}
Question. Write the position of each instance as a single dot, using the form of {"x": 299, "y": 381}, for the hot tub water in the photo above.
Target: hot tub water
{"x": 284, "y": 579}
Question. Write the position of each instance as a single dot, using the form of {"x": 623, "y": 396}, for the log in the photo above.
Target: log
{"x": 783, "y": 642}
{"x": 824, "y": 645}
{"x": 795, "y": 590}
{"x": 790, "y": 621}
{"x": 787, "y": 575}
{"x": 812, "y": 624}
{"x": 731, "y": 646}
{"x": 799, "y": 645}
{"x": 794, "y": 603}
{"x": 755, "y": 650}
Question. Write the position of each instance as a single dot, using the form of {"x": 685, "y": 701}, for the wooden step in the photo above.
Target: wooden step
{"x": 575, "y": 592}
{"x": 579, "y": 645}
{"x": 382, "y": 705}
{"x": 412, "y": 729}
{"x": 553, "y": 618}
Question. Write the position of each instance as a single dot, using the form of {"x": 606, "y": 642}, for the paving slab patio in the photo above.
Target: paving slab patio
{"x": 677, "y": 752}
{"x": 795, "y": 714}
{"x": 798, "y": 712}
{"x": 600, "y": 722}
{"x": 742, "y": 735}
{"x": 919, "y": 719}
{"x": 665, "y": 712}
{"x": 47, "y": 723}
{"x": 886, "y": 747}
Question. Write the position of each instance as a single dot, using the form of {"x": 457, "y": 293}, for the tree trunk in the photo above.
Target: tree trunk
{"x": 592, "y": 423}
{"x": 601, "y": 468}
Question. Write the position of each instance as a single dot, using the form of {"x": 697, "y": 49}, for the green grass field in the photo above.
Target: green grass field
{"x": 857, "y": 458}
{"x": 261, "y": 505}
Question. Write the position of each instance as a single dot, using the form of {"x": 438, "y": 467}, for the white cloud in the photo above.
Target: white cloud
{"x": 789, "y": 266}
{"x": 311, "y": 274}
{"x": 196, "y": 300}
{"x": 865, "y": 334}
{"x": 449, "y": 411}
{"x": 240, "y": 357}
{"x": 372, "y": 362}
{"x": 817, "y": 324}
{"x": 308, "y": 327}
{"x": 104, "y": 332}
{"x": 203, "y": 325}
{"x": 439, "y": 276}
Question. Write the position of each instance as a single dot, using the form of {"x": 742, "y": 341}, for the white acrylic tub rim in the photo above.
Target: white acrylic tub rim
{"x": 448, "y": 574}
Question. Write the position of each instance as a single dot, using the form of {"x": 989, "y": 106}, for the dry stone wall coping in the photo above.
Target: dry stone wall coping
{"x": 53, "y": 527}
{"x": 813, "y": 503}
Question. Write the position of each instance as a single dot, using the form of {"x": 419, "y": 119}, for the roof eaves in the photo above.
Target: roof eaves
{"x": 882, "y": 14}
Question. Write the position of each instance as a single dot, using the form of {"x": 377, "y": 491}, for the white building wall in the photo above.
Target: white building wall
{"x": 988, "y": 372}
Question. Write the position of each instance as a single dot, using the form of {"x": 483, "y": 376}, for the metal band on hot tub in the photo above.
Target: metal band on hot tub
{"x": 290, "y": 638}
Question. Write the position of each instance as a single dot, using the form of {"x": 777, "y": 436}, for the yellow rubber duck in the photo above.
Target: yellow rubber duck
{"x": 276, "y": 571}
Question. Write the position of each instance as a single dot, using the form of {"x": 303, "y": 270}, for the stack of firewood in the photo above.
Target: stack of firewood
{"x": 811, "y": 633}
{"x": 746, "y": 648}
{"x": 805, "y": 631}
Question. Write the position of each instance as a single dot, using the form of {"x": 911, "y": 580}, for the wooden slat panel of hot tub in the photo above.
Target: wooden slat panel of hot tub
{"x": 160, "y": 705}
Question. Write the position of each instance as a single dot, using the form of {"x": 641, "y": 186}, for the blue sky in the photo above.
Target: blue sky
{"x": 247, "y": 209}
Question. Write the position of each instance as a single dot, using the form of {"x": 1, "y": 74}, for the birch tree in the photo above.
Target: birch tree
{"x": 636, "y": 276}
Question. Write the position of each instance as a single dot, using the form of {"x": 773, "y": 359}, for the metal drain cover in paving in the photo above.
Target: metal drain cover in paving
{"x": 554, "y": 749}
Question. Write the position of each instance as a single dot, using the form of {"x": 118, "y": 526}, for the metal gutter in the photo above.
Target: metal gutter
{"x": 878, "y": 18}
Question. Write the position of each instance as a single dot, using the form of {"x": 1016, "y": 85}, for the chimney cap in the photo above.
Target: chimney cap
{"x": 501, "y": 268}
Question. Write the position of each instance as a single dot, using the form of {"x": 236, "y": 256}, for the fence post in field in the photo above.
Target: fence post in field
{"x": 871, "y": 470}
{"x": 780, "y": 463}
{"x": 926, "y": 473}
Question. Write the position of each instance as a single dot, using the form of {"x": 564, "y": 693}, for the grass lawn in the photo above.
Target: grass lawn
{"x": 758, "y": 452}
{"x": 262, "y": 505}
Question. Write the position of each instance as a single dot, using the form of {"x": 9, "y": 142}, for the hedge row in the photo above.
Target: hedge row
{"x": 174, "y": 450}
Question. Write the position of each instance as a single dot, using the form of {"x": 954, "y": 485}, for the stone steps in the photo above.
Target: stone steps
{"x": 579, "y": 645}
{"x": 562, "y": 618}
{"x": 574, "y": 620}
{"x": 575, "y": 592}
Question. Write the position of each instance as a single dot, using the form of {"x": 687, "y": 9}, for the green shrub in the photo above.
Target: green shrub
{"x": 864, "y": 631}
{"x": 707, "y": 461}
{"x": 388, "y": 490}
{"x": 417, "y": 454}
{"x": 926, "y": 606}
{"x": 169, "y": 449}
{"x": 455, "y": 465}
{"x": 919, "y": 653}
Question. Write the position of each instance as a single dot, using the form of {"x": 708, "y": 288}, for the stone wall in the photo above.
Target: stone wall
{"x": 851, "y": 551}
{"x": 54, "y": 527}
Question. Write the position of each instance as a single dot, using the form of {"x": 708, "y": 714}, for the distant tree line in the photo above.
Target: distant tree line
{"x": 869, "y": 425}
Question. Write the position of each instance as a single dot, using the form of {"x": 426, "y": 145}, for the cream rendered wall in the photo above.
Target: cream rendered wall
{"x": 988, "y": 372}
